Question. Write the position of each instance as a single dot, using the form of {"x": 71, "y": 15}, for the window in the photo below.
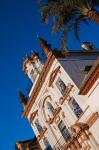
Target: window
{"x": 64, "y": 131}
{"x": 50, "y": 107}
{"x": 61, "y": 85}
{"x": 75, "y": 107}
{"x": 47, "y": 145}
{"x": 38, "y": 126}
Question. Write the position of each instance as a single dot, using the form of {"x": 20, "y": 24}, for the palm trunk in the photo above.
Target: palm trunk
{"x": 93, "y": 15}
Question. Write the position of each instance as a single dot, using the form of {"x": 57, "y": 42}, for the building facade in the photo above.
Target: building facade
{"x": 63, "y": 115}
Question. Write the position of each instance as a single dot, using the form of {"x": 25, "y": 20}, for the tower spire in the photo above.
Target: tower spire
{"x": 45, "y": 46}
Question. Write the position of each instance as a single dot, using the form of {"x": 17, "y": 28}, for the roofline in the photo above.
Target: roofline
{"x": 83, "y": 51}
{"x": 92, "y": 76}
{"x": 62, "y": 54}
{"x": 39, "y": 83}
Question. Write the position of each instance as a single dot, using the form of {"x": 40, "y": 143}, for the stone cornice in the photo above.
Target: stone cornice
{"x": 40, "y": 81}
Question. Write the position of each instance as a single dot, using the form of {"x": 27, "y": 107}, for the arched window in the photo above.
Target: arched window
{"x": 38, "y": 126}
{"x": 50, "y": 107}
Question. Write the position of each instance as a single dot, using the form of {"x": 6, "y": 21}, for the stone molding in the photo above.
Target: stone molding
{"x": 66, "y": 94}
{"x": 33, "y": 115}
{"x": 53, "y": 76}
{"x": 42, "y": 135}
{"x": 52, "y": 119}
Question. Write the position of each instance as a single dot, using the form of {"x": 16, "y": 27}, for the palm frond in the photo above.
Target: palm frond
{"x": 76, "y": 26}
{"x": 68, "y": 14}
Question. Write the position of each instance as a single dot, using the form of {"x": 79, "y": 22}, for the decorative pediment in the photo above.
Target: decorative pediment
{"x": 32, "y": 116}
{"x": 53, "y": 75}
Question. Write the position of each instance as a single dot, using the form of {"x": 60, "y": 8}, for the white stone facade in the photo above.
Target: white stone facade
{"x": 61, "y": 118}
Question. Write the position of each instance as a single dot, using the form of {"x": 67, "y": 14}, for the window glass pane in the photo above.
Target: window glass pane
{"x": 50, "y": 107}
{"x": 47, "y": 145}
{"x": 61, "y": 85}
{"x": 75, "y": 107}
{"x": 64, "y": 131}
{"x": 38, "y": 126}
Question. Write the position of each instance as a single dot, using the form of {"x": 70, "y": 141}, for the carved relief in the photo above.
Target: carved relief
{"x": 46, "y": 90}
{"x": 63, "y": 114}
{"x": 53, "y": 76}
{"x": 57, "y": 119}
{"x": 52, "y": 119}
{"x": 66, "y": 95}
{"x": 46, "y": 99}
{"x": 42, "y": 135}
{"x": 80, "y": 138}
{"x": 32, "y": 116}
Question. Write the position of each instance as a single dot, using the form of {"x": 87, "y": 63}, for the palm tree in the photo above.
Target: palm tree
{"x": 68, "y": 14}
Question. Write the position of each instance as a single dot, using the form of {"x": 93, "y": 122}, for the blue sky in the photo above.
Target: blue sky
{"x": 19, "y": 27}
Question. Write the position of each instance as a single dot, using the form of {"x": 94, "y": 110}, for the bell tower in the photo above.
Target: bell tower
{"x": 32, "y": 66}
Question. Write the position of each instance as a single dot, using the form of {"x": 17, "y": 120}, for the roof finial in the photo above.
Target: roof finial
{"x": 23, "y": 99}
{"x": 45, "y": 46}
